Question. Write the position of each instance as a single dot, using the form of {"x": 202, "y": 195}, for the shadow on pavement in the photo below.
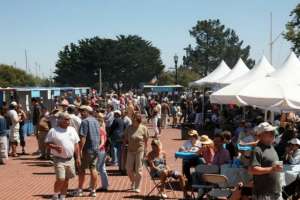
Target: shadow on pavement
{"x": 43, "y": 173}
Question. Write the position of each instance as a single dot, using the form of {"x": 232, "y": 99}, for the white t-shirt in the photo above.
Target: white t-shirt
{"x": 66, "y": 138}
{"x": 14, "y": 118}
{"x": 188, "y": 146}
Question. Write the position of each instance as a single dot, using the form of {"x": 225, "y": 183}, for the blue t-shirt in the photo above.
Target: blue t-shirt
{"x": 89, "y": 129}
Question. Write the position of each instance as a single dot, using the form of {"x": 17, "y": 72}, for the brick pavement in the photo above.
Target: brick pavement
{"x": 25, "y": 177}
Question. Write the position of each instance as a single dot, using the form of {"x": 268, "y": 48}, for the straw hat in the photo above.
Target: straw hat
{"x": 204, "y": 139}
{"x": 193, "y": 133}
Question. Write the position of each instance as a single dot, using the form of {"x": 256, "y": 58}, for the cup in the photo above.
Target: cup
{"x": 279, "y": 163}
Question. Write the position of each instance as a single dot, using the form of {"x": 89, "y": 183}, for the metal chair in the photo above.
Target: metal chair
{"x": 220, "y": 186}
{"x": 157, "y": 183}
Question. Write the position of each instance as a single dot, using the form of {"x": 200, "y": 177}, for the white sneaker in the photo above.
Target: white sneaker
{"x": 55, "y": 197}
{"x": 164, "y": 195}
{"x": 137, "y": 190}
{"x": 93, "y": 194}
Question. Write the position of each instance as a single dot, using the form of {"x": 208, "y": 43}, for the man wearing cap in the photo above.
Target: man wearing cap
{"x": 292, "y": 155}
{"x": 63, "y": 143}
{"x": 14, "y": 137}
{"x": 89, "y": 148}
{"x": 265, "y": 166}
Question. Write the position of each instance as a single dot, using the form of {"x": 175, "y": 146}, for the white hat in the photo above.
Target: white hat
{"x": 294, "y": 141}
{"x": 118, "y": 112}
{"x": 86, "y": 108}
{"x": 265, "y": 127}
{"x": 13, "y": 103}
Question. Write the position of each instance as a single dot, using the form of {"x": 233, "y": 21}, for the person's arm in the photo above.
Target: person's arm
{"x": 83, "y": 130}
{"x": 102, "y": 138}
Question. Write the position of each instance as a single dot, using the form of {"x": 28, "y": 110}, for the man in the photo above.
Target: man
{"x": 116, "y": 137}
{"x": 109, "y": 118}
{"x": 36, "y": 112}
{"x": 63, "y": 143}
{"x": 265, "y": 166}
{"x": 222, "y": 155}
{"x": 89, "y": 147}
{"x": 14, "y": 137}
{"x": 75, "y": 121}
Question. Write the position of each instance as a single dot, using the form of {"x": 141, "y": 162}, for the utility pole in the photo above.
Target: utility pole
{"x": 271, "y": 39}
{"x": 100, "y": 81}
{"x": 26, "y": 61}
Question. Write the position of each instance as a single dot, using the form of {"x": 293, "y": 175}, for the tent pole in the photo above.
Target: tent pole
{"x": 266, "y": 115}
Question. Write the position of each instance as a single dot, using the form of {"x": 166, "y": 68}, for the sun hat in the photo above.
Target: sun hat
{"x": 156, "y": 142}
{"x": 204, "y": 139}
{"x": 86, "y": 108}
{"x": 13, "y": 103}
{"x": 294, "y": 141}
{"x": 193, "y": 133}
{"x": 265, "y": 127}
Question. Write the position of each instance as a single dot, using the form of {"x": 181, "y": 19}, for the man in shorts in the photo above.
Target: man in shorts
{"x": 63, "y": 142}
{"x": 89, "y": 148}
{"x": 14, "y": 137}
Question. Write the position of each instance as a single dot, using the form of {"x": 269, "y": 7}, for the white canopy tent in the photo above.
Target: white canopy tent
{"x": 230, "y": 93}
{"x": 237, "y": 71}
{"x": 278, "y": 91}
{"x": 211, "y": 78}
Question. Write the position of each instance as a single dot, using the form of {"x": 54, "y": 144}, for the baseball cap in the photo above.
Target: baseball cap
{"x": 265, "y": 127}
{"x": 294, "y": 141}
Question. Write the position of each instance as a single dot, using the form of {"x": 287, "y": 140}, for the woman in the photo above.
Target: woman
{"x": 157, "y": 162}
{"x": 136, "y": 136}
{"x": 207, "y": 150}
{"x": 191, "y": 145}
{"x": 102, "y": 155}
{"x": 155, "y": 124}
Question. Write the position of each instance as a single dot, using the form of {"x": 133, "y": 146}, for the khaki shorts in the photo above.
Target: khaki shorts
{"x": 64, "y": 168}
{"x": 89, "y": 161}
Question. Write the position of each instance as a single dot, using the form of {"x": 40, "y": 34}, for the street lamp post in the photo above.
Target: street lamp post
{"x": 176, "y": 75}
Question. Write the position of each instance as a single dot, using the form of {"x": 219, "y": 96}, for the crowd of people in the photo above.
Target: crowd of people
{"x": 92, "y": 132}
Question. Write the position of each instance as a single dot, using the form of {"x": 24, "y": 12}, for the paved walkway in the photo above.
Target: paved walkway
{"x": 26, "y": 178}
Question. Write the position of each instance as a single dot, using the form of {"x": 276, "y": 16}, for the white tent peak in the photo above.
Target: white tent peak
{"x": 237, "y": 71}
{"x": 290, "y": 70}
{"x": 221, "y": 70}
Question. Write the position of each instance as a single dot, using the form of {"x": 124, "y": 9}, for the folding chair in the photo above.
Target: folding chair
{"x": 221, "y": 188}
{"x": 204, "y": 169}
{"x": 157, "y": 183}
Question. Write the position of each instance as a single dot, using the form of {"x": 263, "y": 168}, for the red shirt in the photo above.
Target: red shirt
{"x": 104, "y": 135}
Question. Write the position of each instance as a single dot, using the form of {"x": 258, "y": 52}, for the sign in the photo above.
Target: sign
{"x": 56, "y": 93}
{"x": 162, "y": 89}
{"x": 35, "y": 94}
{"x": 77, "y": 92}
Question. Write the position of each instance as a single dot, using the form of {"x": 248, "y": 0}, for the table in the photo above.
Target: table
{"x": 289, "y": 174}
{"x": 235, "y": 174}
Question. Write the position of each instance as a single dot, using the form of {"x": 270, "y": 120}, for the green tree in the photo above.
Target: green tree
{"x": 215, "y": 42}
{"x": 185, "y": 76}
{"x": 12, "y": 77}
{"x": 125, "y": 61}
{"x": 292, "y": 33}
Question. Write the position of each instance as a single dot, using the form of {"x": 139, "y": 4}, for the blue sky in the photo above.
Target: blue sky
{"x": 43, "y": 27}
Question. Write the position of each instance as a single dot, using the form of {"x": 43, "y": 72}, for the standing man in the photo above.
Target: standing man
{"x": 14, "y": 136}
{"x": 63, "y": 143}
{"x": 36, "y": 112}
{"x": 89, "y": 147}
{"x": 265, "y": 166}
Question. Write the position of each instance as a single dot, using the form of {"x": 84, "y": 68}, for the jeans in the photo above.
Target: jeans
{"x": 116, "y": 148}
{"x": 102, "y": 169}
